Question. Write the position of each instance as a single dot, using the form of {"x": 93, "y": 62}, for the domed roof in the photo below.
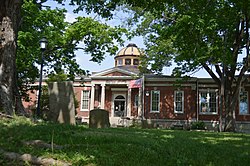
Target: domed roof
{"x": 131, "y": 49}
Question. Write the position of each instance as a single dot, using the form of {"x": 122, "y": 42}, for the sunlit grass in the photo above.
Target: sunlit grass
{"x": 125, "y": 146}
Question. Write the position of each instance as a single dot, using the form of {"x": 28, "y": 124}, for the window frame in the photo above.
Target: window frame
{"x": 82, "y": 98}
{"x": 151, "y": 101}
{"x": 127, "y": 59}
{"x": 247, "y": 113}
{"x": 209, "y": 103}
{"x": 119, "y": 62}
{"x": 135, "y": 60}
{"x": 182, "y": 102}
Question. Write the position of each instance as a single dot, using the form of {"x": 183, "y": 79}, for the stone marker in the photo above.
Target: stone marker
{"x": 99, "y": 118}
{"x": 61, "y": 102}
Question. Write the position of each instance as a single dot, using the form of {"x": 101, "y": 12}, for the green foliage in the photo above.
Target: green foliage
{"x": 44, "y": 104}
{"x": 198, "y": 34}
{"x": 124, "y": 146}
{"x": 200, "y": 125}
{"x": 136, "y": 124}
{"x": 193, "y": 34}
{"x": 57, "y": 77}
{"x": 64, "y": 39}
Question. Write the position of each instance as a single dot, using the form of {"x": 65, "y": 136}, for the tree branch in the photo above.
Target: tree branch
{"x": 211, "y": 73}
{"x": 237, "y": 43}
{"x": 218, "y": 70}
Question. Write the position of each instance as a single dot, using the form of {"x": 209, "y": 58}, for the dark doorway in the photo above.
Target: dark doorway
{"x": 119, "y": 106}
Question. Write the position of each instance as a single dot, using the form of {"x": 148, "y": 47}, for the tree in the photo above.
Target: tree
{"x": 64, "y": 39}
{"x": 10, "y": 21}
{"x": 200, "y": 34}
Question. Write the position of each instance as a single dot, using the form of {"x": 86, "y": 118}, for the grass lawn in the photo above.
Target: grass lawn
{"x": 124, "y": 146}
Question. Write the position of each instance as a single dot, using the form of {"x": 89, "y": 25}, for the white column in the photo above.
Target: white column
{"x": 103, "y": 97}
{"x": 129, "y": 103}
{"x": 92, "y": 101}
{"x": 140, "y": 103}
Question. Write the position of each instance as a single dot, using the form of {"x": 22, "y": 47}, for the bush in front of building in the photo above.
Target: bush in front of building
{"x": 199, "y": 125}
{"x": 136, "y": 123}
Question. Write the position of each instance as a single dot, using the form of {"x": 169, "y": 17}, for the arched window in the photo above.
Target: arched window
{"x": 120, "y": 97}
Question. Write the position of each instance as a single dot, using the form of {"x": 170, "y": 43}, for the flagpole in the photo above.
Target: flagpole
{"x": 143, "y": 89}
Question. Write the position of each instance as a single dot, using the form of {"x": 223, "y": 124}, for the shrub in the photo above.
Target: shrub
{"x": 200, "y": 125}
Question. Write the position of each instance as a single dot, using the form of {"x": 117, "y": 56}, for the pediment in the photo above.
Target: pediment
{"x": 114, "y": 72}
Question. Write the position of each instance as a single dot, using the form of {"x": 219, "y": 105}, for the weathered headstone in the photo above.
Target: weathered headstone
{"x": 61, "y": 102}
{"x": 99, "y": 118}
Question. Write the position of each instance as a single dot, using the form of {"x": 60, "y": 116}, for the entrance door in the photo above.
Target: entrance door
{"x": 119, "y": 106}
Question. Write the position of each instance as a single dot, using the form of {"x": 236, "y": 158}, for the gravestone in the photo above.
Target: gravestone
{"x": 61, "y": 102}
{"x": 99, "y": 118}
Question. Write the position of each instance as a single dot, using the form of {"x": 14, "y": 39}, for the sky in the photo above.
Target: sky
{"x": 83, "y": 59}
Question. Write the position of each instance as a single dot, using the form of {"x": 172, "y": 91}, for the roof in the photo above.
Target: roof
{"x": 126, "y": 70}
{"x": 130, "y": 50}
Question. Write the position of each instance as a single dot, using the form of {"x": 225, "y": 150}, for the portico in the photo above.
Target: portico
{"x": 115, "y": 96}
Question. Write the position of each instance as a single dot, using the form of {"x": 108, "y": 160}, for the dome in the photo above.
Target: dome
{"x": 128, "y": 56}
{"x": 130, "y": 50}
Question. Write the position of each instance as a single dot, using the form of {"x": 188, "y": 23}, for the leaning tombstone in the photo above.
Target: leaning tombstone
{"x": 99, "y": 118}
{"x": 61, "y": 102}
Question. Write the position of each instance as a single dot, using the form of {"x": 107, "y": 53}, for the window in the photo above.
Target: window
{"x": 119, "y": 62}
{"x": 155, "y": 101}
{"x": 127, "y": 61}
{"x": 85, "y": 100}
{"x": 179, "y": 101}
{"x": 243, "y": 103}
{"x": 136, "y": 62}
{"x": 136, "y": 100}
{"x": 119, "y": 106}
{"x": 208, "y": 102}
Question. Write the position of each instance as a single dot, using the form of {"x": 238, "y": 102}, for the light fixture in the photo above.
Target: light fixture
{"x": 43, "y": 46}
{"x": 43, "y": 43}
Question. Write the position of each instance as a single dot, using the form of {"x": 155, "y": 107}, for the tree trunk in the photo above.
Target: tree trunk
{"x": 230, "y": 106}
{"x": 9, "y": 22}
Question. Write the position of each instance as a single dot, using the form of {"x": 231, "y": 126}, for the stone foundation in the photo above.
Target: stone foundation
{"x": 184, "y": 124}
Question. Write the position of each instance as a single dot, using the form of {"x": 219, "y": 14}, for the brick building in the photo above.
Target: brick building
{"x": 158, "y": 99}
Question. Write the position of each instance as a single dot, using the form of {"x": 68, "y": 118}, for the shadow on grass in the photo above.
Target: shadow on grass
{"x": 127, "y": 146}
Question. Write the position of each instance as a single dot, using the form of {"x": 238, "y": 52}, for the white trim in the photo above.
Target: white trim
{"x": 111, "y": 82}
{"x": 151, "y": 111}
{"x": 92, "y": 98}
{"x": 183, "y": 85}
{"x": 114, "y": 95}
{"x": 164, "y": 79}
{"x": 202, "y": 85}
{"x": 113, "y": 77}
{"x": 82, "y": 100}
{"x": 182, "y": 101}
{"x": 104, "y": 72}
{"x": 216, "y": 98}
{"x": 81, "y": 84}
{"x": 169, "y": 84}
{"x": 103, "y": 96}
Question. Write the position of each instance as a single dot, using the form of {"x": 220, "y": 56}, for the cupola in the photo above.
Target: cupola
{"x": 128, "y": 56}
